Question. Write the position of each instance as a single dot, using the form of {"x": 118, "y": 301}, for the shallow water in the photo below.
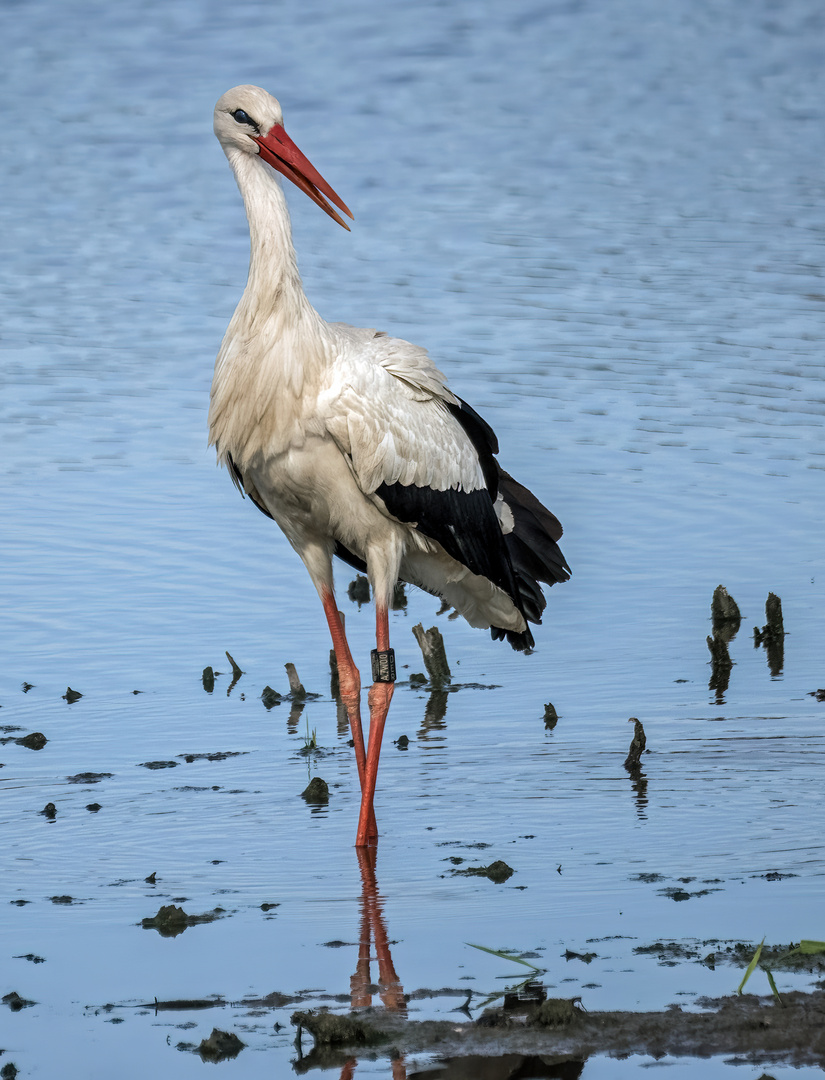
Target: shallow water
{"x": 606, "y": 222}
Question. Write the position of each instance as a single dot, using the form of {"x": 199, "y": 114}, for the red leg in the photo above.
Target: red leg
{"x": 349, "y": 685}
{"x": 380, "y": 696}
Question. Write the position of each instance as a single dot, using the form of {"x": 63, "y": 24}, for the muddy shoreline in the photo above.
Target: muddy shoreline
{"x": 752, "y": 1028}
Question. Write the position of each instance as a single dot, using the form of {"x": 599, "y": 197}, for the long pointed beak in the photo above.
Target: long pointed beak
{"x": 279, "y": 151}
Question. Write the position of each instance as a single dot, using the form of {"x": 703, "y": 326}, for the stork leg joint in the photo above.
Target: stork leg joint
{"x": 383, "y": 665}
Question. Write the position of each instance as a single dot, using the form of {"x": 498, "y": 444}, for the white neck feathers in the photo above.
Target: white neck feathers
{"x": 276, "y": 347}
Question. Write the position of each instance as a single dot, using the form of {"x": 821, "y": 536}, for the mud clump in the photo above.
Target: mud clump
{"x": 270, "y": 698}
{"x": 328, "y": 1029}
{"x": 555, "y": 1013}
{"x": 498, "y": 871}
{"x": 171, "y": 920}
{"x": 547, "y": 1014}
{"x": 316, "y": 791}
{"x": 220, "y": 1046}
{"x": 36, "y": 741}
{"x": 15, "y": 1002}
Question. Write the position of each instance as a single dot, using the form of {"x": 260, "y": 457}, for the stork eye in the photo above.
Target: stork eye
{"x": 244, "y": 118}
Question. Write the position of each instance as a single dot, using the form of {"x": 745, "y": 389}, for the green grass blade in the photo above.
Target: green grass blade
{"x": 751, "y": 966}
{"x": 502, "y": 955}
{"x": 773, "y": 987}
{"x": 811, "y": 947}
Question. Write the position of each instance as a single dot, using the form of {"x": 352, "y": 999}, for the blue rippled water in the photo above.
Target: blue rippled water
{"x": 606, "y": 223}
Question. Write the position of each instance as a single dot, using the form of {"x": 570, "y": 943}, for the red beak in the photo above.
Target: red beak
{"x": 279, "y": 151}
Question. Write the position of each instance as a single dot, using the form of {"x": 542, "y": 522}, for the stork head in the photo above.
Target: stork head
{"x": 249, "y": 119}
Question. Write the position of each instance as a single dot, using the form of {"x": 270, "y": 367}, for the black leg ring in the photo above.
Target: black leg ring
{"x": 383, "y": 665}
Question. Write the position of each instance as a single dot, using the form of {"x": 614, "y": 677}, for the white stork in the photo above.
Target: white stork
{"x": 351, "y": 441}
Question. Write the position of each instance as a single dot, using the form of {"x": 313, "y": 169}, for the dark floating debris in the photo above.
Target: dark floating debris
{"x": 49, "y": 811}
{"x": 220, "y": 1046}
{"x": 316, "y": 791}
{"x": 64, "y": 899}
{"x": 551, "y": 717}
{"x": 158, "y": 764}
{"x": 358, "y": 590}
{"x": 270, "y": 906}
{"x": 31, "y": 957}
{"x": 772, "y": 634}
{"x": 15, "y": 1002}
{"x": 36, "y": 741}
{"x": 89, "y": 777}
{"x": 402, "y": 742}
{"x": 208, "y": 679}
{"x": 9, "y": 1071}
{"x": 270, "y": 698}
{"x": 637, "y": 745}
{"x": 432, "y": 648}
{"x": 498, "y": 871}
{"x": 212, "y": 755}
{"x": 93, "y": 807}
{"x": 818, "y": 694}
{"x": 296, "y": 688}
{"x": 27, "y": 686}
{"x": 152, "y": 879}
{"x": 184, "y": 1004}
{"x": 585, "y": 957}
{"x": 725, "y": 614}
{"x": 72, "y": 695}
{"x": 171, "y": 920}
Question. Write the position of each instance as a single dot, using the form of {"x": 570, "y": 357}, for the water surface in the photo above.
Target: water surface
{"x": 606, "y": 223}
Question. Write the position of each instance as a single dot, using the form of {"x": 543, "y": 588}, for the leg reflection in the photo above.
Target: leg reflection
{"x": 374, "y": 932}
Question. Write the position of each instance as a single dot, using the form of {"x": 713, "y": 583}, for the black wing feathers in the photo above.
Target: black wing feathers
{"x": 467, "y": 527}
{"x": 532, "y": 543}
{"x": 463, "y": 522}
